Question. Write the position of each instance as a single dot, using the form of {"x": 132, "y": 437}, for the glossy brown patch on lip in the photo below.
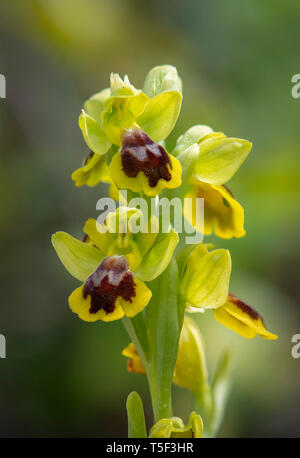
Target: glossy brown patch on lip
{"x": 246, "y": 308}
{"x": 112, "y": 279}
{"x": 141, "y": 154}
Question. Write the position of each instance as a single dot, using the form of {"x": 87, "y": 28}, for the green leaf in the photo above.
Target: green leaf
{"x": 158, "y": 257}
{"x": 193, "y": 135}
{"x": 206, "y": 281}
{"x": 93, "y": 134}
{"x": 220, "y": 159}
{"x": 162, "y": 78}
{"x": 136, "y": 417}
{"x": 160, "y": 115}
{"x": 95, "y": 104}
{"x": 79, "y": 259}
{"x": 164, "y": 317}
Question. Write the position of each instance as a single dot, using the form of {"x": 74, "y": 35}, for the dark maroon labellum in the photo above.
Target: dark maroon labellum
{"x": 111, "y": 279}
{"x": 141, "y": 154}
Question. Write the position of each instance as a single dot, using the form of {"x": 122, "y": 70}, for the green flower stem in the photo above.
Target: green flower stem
{"x": 164, "y": 319}
{"x": 161, "y": 396}
{"x": 155, "y": 333}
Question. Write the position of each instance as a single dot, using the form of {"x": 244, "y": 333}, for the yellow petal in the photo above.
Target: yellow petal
{"x": 94, "y": 171}
{"x": 139, "y": 302}
{"x": 243, "y": 319}
{"x": 222, "y": 213}
{"x": 81, "y": 306}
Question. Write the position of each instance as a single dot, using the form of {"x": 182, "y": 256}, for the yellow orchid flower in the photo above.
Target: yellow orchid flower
{"x": 143, "y": 165}
{"x": 223, "y": 215}
{"x": 113, "y": 265}
{"x": 243, "y": 319}
{"x": 210, "y": 159}
{"x": 110, "y": 116}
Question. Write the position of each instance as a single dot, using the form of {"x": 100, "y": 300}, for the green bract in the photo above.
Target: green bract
{"x": 219, "y": 156}
{"x": 93, "y": 133}
{"x": 205, "y": 282}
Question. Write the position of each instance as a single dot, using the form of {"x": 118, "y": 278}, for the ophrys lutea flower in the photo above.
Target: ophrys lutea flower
{"x": 205, "y": 285}
{"x": 113, "y": 266}
{"x": 131, "y": 123}
{"x": 212, "y": 159}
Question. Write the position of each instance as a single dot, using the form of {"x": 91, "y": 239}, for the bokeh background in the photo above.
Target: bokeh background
{"x": 64, "y": 377}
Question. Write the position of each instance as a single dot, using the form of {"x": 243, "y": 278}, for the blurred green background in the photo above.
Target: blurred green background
{"x": 64, "y": 377}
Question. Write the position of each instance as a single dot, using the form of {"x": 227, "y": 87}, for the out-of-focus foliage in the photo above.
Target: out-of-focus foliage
{"x": 66, "y": 377}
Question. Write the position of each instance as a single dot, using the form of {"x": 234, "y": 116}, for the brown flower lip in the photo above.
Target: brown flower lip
{"x": 141, "y": 154}
{"x": 111, "y": 279}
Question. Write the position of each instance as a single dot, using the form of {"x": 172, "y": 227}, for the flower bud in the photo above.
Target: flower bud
{"x": 175, "y": 428}
{"x": 190, "y": 371}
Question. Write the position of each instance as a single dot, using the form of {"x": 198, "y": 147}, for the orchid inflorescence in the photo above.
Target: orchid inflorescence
{"x": 150, "y": 279}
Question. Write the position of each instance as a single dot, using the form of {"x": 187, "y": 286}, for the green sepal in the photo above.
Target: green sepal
{"x": 136, "y": 417}
{"x": 188, "y": 160}
{"x": 206, "y": 280}
{"x": 219, "y": 159}
{"x": 193, "y": 135}
{"x": 93, "y": 134}
{"x": 78, "y": 258}
{"x": 160, "y": 115}
{"x": 95, "y": 104}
